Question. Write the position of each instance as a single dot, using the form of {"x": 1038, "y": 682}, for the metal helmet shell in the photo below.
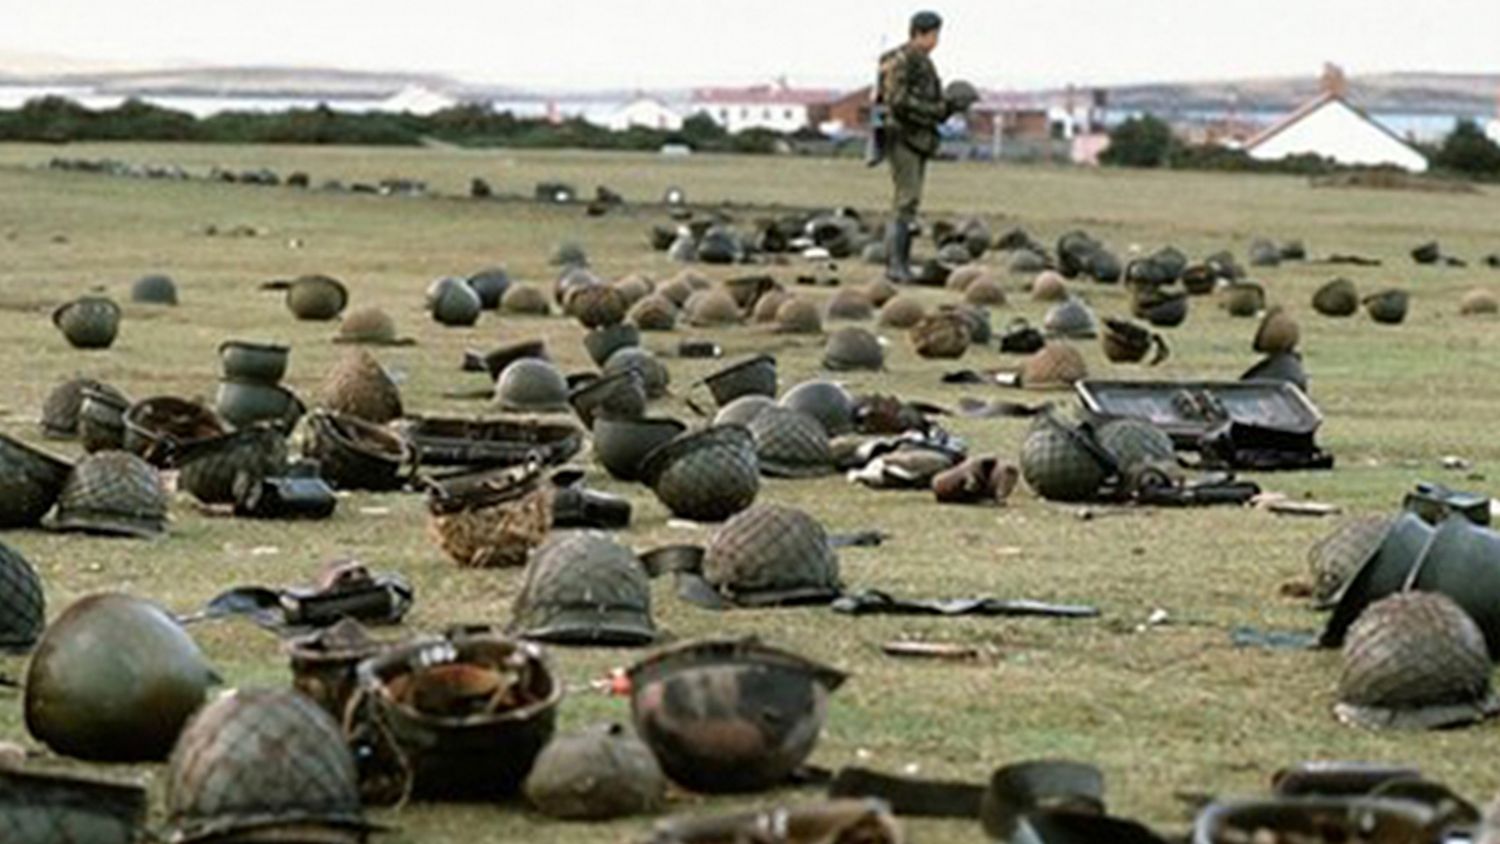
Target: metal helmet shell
{"x": 600, "y": 773}
{"x": 707, "y": 475}
{"x": 944, "y": 335}
{"x": 596, "y": 305}
{"x": 1335, "y": 558}
{"x": 316, "y": 297}
{"x": 754, "y": 375}
{"x": 1414, "y": 660}
{"x": 112, "y": 493}
{"x": 30, "y": 482}
{"x": 153, "y": 290}
{"x": 730, "y": 715}
{"x": 491, "y": 285}
{"x": 354, "y": 454}
{"x": 359, "y": 386}
{"x": 583, "y": 588}
{"x": 23, "y": 605}
{"x": 114, "y": 678}
{"x": 1337, "y": 298}
{"x": 1057, "y": 466}
{"x": 772, "y": 554}
{"x": 40, "y": 808}
{"x": 743, "y": 409}
{"x": 90, "y": 322}
{"x": 531, "y": 385}
{"x": 1136, "y": 443}
{"x": 456, "y": 303}
{"x": 824, "y": 401}
{"x": 1388, "y": 306}
{"x": 653, "y": 372}
{"x": 853, "y": 348}
{"x": 653, "y": 313}
{"x": 525, "y": 299}
{"x": 263, "y": 765}
{"x": 790, "y": 444}
{"x": 208, "y": 468}
{"x": 60, "y": 410}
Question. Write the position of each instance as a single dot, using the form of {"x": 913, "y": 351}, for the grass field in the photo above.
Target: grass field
{"x": 1165, "y": 709}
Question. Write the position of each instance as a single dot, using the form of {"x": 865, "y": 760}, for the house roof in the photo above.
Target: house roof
{"x": 765, "y": 95}
{"x": 1314, "y": 105}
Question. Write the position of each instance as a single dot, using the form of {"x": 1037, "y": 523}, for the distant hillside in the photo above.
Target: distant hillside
{"x": 255, "y": 82}
{"x": 1437, "y": 93}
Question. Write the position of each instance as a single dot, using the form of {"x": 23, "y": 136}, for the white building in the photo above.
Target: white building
{"x": 645, "y": 112}
{"x": 777, "y": 107}
{"x": 1333, "y": 127}
{"x": 416, "y": 99}
{"x": 1493, "y": 130}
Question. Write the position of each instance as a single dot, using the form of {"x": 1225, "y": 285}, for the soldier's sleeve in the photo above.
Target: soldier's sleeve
{"x": 904, "y": 98}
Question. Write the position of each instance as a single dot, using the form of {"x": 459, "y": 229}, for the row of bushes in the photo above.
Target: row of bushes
{"x": 1149, "y": 142}
{"x": 60, "y": 120}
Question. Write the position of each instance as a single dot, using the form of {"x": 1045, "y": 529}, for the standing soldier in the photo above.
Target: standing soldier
{"x": 913, "y": 108}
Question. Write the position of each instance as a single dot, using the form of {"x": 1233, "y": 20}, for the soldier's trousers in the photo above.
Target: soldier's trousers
{"x": 908, "y": 170}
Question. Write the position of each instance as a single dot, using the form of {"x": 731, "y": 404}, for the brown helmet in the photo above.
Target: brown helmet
{"x": 1277, "y": 333}
{"x": 359, "y": 386}
{"x": 1049, "y": 286}
{"x": 1056, "y": 365}
{"x": 525, "y": 299}
{"x": 730, "y": 715}
{"x": 963, "y": 276}
{"x": 596, "y": 305}
{"x": 370, "y": 326}
{"x": 654, "y": 313}
{"x": 316, "y": 297}
{"x": 712, "y": 307}
{"x": 1335, "y": 558}
{"x": 1479, "y": 303}
{"x": 798, "y": 316}
{"x": 943, "y": 335}
{"x": 985, "y": 292}
{"x": 1337, "y": 298}
{"x": 901, "y": 312}
{"x": 767, "y": 306}
{"x": 1415, "y": 660}
{"x": 850, "y": 304}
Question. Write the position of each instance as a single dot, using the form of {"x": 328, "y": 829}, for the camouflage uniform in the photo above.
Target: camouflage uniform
{"x": 913, "y": 96}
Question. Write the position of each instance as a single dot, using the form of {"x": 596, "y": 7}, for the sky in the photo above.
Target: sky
{"x": 647, "y": 44}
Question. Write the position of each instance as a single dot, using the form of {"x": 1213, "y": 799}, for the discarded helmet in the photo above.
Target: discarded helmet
{"x": 1126, "y": 342}
{"x": 60, "y": 410}
{"x": 1071, "y": 318}
{"x": 525, "y": 299}
{"x": 1058, "y": 464}
{"x": 730, "y": 715}
{"x": 1387, "y": 306}
{"x": 157, "y": 428}
{"x": 30, "y": 482}
{"x": 112, "y": 493}
{"x": 754, "y": 375}
{"x": 113, "y": 679}
{"x": 263, "y": 363}
{"x": 455, "y": 303}
{"x": 355, "y": 454}
{"x": 596, "y": 305}
{"x": 583, "y": 588}
{"x": 244, "y": 403}
{"x": 798, "y": 316}
{"x": 606, "y": 340}
{"x": 1135, "y": 444}
{"x": 879, "y": 291}
{"x": 767, "y": 306}
{"x": 985, "y": 292}
{"x": 23, "y": 606}
{"x": 743, "y": 409}
{"x": 620, "y": 395}
{"x": 1049, "y": 286}
{"x": 1335, "y": 558}
{"x": 1028, "y": 261}
{"x": 1055, "y": 365}
{"x": 316, "y": 297}
{"x": 901, "y": 312}
{"x": 263, "y": 765}
{"x": 600, "y": 773}
{"x": 1244, "y": 299}
{"x": 653, "y": 313}
{"x": 634, "y": 287}
{"x": 850, "y": 304}
{"x": 1278, "y": 332}
{"x": 1162, "y": 307}
{"x": 37, "y": 808}
{"x": 90, "y": 322}
{"x": 621, "y": 444}
{"x": 1415, "y": 660}
{"x": 359, "y": 386}
{"x": 569, "y": 254}
{"x": 707, "y": 475}
{"x": 531, "y": 385}
{"x": 714, "y": 307}
{"x": 790, "y": 444}
{"x": 153, "y": 290}
{"x": 943, "y": 335}
{"x": 654, "y": 373}
{"x": 491, "y": 285}
{"x": 770, "y": 554}
{"x": 1264, "y": 253}
{"x": 824, "y": 401}
{"x": 370, "y": 326}
{"x": 492, "y": 524}
{"x": 1337, "y": 298}
{"x": 462, "y": 717}
{"x": 1478, "y": 303}
{"x": 960, "y": 95}
{"x": 208, "y": 467}
{"x": 851, "y": 348}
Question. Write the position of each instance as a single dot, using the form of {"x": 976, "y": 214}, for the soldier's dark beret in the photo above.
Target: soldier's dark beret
{"x": 926, "y": 21}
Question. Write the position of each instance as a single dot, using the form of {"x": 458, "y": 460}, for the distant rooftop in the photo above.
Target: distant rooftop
{"x": 777, "y": 94}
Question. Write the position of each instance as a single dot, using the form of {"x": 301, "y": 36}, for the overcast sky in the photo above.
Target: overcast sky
{"x": 562, "y": 44}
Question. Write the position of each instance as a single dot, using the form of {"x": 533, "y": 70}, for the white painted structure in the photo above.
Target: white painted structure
{"x": 1493, "y": 130}
{"x": 778, "y": 107}
{"x": 418, "y": 100}
{"x": 646, "y": 112}
{"x": 1332, "y": 127}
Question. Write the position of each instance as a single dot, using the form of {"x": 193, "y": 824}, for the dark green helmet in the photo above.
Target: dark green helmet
{"x": 1072, "y": 319}
{"x": 1337, "y": 298}
{"x": 1388, "y": 306}
{"x": 606, "y": 340}
{"x": 490, "y": 284}
{"x": 621, "y": 395}
{"x": 114, "y": 678}
{"x": 101, "y": 418}
{"x": 730, "y": 715}
{"x": 154, "y": 290}
{"x": 769, "y": 555}
{"x": 1136, "y": 444}
{"x": 1058, "y": 464}
{"x": 90, "y": 322}
{"x": 853, "y": 348}
{"x": 1244, "y": 299}
{"x": 601, "y": 773}
{"x": 754, "y": 375}
{"x": 583, "y": 588}
{"x": 1415, "y": 660}
{"x": 244, "y": 403}
{"x": 316, "y": 297}
{"x": 531, "y": 385}
{"x": 707, "y": 475}
{"x": 824, "y": 401}
{"x": 263, "y": 765}
{"x": 622, "y": 444}
{"x": 960, "y": 95}
{"x": 40, "y": 808}
{"x": 208, "y": 468}
{"x": 23, "y": 607}
{"x": 112, "y": 493}
{"x": 455, "y": 303}
{"x": 30, "y": 482}
{"x": 653, "y": 372}
{"x": 790, "y": 444}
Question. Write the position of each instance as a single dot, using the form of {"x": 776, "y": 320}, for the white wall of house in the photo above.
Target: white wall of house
{"x": 1339, "y": 132}
{"x": 1493, "y": 130}
{"x": 739, "y": 116}
{"x": 645, "y": 112}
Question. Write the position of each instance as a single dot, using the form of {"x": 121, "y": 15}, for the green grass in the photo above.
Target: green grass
{"x": 1162, "y": 710}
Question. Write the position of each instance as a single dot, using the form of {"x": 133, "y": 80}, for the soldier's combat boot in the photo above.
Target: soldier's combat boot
{"x": 898, "y": 256}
